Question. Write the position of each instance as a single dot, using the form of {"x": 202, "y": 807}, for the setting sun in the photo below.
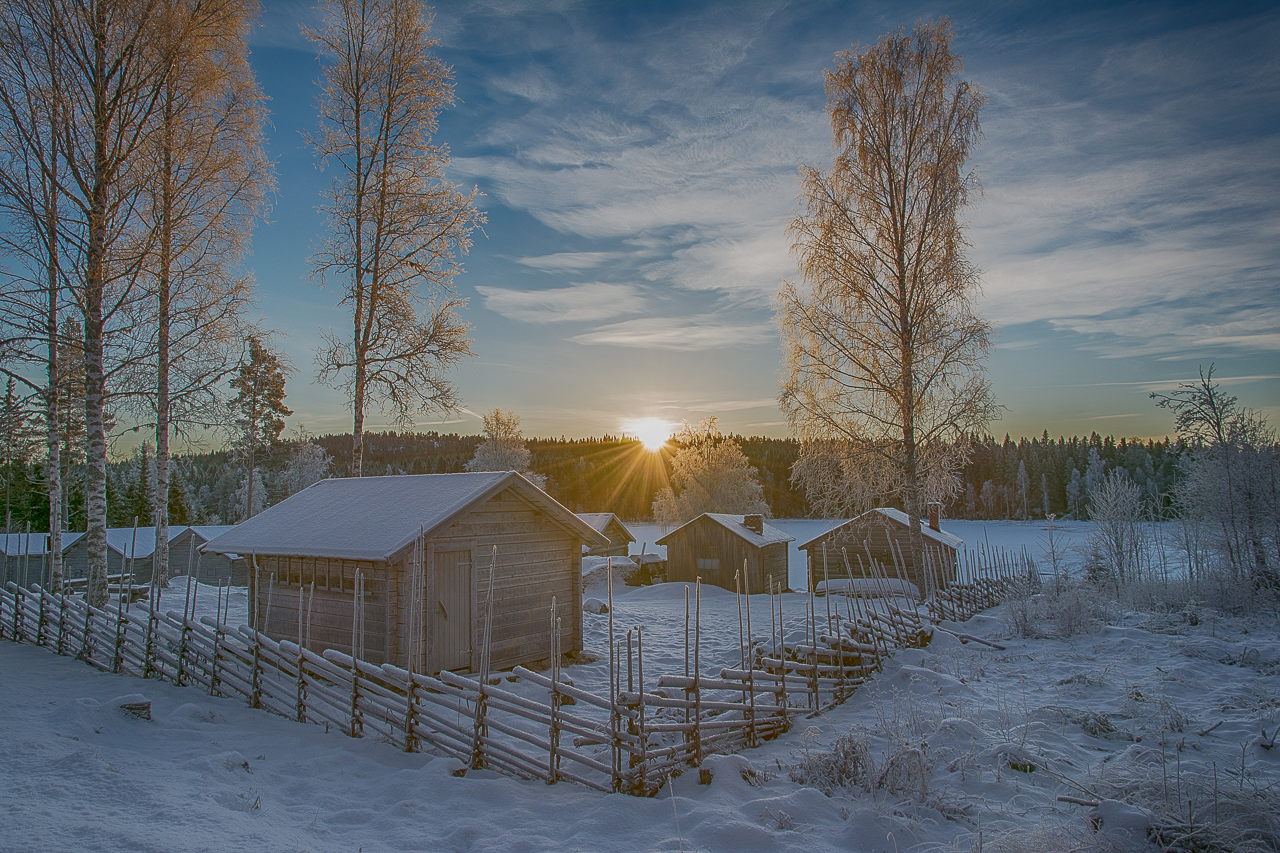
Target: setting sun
{"x": 652, "y": 432}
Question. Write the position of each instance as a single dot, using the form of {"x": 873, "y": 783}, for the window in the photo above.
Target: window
{"x": 708, "y": 564}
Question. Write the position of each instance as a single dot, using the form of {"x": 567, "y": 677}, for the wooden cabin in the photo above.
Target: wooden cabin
{"x": 24, "y": 558}
{"x": 185, "y": 557}
{"x": 358, "y": 540}
{"x": 608, "y": 524}
{"x": 883, "y": 535}
{"x": 127, "y": 547}
{"x": 715, "y": 545}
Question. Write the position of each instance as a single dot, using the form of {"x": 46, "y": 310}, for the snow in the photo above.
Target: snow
{"x": 1139, "y": 716}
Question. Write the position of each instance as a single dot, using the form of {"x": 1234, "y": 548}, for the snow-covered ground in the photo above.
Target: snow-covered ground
{"x": 967, "y": 742}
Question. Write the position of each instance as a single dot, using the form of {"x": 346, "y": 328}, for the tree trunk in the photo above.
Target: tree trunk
{"x": 161, "y": 554}
{"x": 95, "y": 475}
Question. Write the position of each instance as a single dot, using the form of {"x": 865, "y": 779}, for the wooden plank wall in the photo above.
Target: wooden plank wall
{"x": 708, "y": 539}
{"x": 537, "y": 559}
{"x": 876, "y": 539}
{"x": 332, "y": 606}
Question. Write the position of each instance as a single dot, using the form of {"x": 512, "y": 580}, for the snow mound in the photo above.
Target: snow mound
{"x": 595, "y": 573}
{"x": 222, "y": 762}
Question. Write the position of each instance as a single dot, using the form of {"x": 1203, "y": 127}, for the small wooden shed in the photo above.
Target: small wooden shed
{"x": 608, "y": 524}
{"x": 351, "y": 534}
{"x": 884, "y": 535}
{"x": 715, "y": 545}
{"x": 25, "y": 558}
{"x": 206, "y": 567}
{"x": 123, "y": 543}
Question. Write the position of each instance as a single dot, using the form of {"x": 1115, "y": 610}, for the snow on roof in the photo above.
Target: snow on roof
{"x": 600, "y": 520}
{"x": 733, "y": 523}
{"x": 17, "y": 544}
{"x": 209, "y": 531}
{"x": 939, "y": 536}
{"x": 123, "y": 541}
{"x": 374, "y": 518}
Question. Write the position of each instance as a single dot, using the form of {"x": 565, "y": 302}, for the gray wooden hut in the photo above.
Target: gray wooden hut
{"x": 883, "y": 535}
{"x": 123, "y": 543}
{"x": 608, "y": 524}
{"x": 715, "y": 545}
{"x": 339, "y": 530}
{"x": 24, "y": 558}
{"x": 206, "y": 567}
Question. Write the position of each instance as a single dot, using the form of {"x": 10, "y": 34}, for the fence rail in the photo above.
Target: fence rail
{"x": 629, "y": 740}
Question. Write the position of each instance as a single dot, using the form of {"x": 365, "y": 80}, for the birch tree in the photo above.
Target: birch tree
{"x": 31, "y": 306}
{"x": 709, "y": 473}
{"x": 210, "y": 176}
{"x": 398, "y": 227}
{"x": 503, "y": 448}
{"x": 884, "y": 356}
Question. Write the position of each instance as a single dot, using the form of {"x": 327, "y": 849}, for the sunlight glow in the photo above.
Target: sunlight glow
{"x": 652, "y": 432}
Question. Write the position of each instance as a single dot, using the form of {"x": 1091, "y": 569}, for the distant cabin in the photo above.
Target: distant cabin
{"x": 126, "y": 548}
{"x": 715, "y": 545}
{"x": 884, "y": 535}
{"x": 25, "y": 558}
{"x": 210, "y": 568}
{"x": 339, "y": 530}
{"x": 609, "y": 525}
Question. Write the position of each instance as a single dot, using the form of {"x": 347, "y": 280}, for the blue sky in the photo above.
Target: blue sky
{"x": 639, "y": 163}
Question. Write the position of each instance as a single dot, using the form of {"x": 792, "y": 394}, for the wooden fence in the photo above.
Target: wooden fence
{"x": 630, "y": 740}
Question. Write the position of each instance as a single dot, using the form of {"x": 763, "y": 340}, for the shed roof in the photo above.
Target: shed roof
{"x": 17, "y": 544}
{"x": 600, "y": 520}
{"x": 733, "y": 523}
{"x": 208, "y": 532}
{"x": 887, "y": 513}
{"x": 375, "y": 518}
{"x": 123, "y": 541}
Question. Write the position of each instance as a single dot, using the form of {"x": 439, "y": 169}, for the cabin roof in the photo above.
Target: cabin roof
{"x": 733, "y": 523}
{"x": 375, "y": 518}
{"x": 18, "y": 544}
{"x": 942, "y": 537}
{"x": 123, "y": 542}
{"x": 600, "y": 520}
{"x": 208, "y": 531}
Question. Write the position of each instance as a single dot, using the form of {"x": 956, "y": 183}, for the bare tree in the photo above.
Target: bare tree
{"x": 398, "y": 227}
{"x": 709, "y": 473}
{"x": 30, "y": 308}
{"x": 503, "y": 448}
{"x": 210, "y": 176}
{"x": 884, "y": 355}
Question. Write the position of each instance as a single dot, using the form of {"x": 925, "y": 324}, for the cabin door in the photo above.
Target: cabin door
{"x": 450, "y": 613}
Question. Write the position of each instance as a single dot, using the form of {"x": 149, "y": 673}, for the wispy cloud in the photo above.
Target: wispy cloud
{"x": 588, "y": 302}
{"x": 733, "y": 405}
{"x": 570, "y": 261}
{"x": 678, "y": 333}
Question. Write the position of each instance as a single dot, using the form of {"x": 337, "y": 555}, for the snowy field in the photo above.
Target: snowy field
{"x": 961, "y": 748}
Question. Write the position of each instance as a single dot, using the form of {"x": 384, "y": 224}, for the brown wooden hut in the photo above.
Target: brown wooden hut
{"x": 608, "y": 524}
{"x": 339, "y": 532}
{"x": 883, "y": 535}
{"x": 715, "y": 545}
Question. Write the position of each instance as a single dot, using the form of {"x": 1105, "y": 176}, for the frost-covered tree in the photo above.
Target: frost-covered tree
{"x": 1115, "y": 506}
{"x": 398, "y": 226}
{"x": 883, "y": 351}
{"x": 709, "y": 473}
{"x": 503, "y": 447}
{"x": 1231, "y": 476}
{"x": 308, "y": 465}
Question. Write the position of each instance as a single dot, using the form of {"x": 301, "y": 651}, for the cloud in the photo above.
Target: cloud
{"x": 679, "y": 333}
{"x": 570, "y": 261}
{"x": 579, "y": 302}
{"x": 734, "y": 405}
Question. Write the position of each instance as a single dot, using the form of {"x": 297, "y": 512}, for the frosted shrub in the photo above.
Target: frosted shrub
{"x": 851, "y": 766}
{"x": 1064, "y": 609}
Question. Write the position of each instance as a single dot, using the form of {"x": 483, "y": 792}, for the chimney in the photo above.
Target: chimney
{"x": 754, "y": 523}
{"x": 935, "y": 510}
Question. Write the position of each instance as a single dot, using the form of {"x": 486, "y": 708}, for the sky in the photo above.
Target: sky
{"x": 639, "y": 160}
